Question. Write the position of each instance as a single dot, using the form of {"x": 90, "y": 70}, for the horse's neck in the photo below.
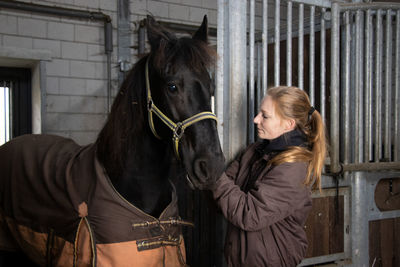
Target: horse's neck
{"x": 144, "y": 181}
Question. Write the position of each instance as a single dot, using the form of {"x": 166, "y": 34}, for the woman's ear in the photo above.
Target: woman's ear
{"x": 290, "y": 124}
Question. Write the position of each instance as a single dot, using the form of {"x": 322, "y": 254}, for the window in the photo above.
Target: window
{"x": 15, "y": 103}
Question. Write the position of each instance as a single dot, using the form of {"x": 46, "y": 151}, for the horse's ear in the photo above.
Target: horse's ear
{"x": 157, "y": 34}
{"x": 202, "y": 33}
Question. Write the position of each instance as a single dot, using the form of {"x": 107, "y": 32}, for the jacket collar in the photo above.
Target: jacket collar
{"x": 283, "y": 142}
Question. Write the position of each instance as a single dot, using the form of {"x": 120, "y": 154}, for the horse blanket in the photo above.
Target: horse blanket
{"x": 59, "y": 206}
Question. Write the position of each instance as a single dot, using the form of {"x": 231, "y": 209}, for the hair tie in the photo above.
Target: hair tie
{"x": 311, "y": 111}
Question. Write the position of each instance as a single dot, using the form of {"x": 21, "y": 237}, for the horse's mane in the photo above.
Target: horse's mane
{"x": 128, "y": 117}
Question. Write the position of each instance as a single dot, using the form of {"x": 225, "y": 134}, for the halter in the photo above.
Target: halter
{"x": 177, "y": 128}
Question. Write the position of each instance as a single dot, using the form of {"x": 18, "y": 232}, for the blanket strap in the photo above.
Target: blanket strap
{"x": 161, "y": 222}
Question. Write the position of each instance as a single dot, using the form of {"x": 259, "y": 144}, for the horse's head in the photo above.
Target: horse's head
{"x": 179, "y": 91}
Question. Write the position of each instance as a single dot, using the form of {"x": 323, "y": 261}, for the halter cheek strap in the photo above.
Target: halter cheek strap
{"x": 177, "y": 128}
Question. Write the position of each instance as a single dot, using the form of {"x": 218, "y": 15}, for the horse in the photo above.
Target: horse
{"x": 112, "y": 203}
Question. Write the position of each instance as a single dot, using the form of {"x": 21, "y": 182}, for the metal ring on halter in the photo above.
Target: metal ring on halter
{"x": 150, "y": 105}
{"x": 179, "y": 130}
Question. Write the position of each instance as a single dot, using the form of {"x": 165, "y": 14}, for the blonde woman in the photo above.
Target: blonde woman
{"x": 265, "y": 194}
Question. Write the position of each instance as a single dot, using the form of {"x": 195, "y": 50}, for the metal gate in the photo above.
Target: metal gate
{"x": 347, "y": 57}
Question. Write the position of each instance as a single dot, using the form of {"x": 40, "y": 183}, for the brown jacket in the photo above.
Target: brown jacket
{"x": 266, "y": 218}
{"x": 58, "y": 205}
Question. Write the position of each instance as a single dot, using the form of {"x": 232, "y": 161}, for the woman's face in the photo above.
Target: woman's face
{"x": 269, "y": 124}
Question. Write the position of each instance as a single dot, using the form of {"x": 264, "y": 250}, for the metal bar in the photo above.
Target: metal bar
{"x": 397, "y": 92}
{"x": 371, "y": 166}
{"x": 366, "y": 6}
{"x": 265, "y": 46}
{"x": 347, "y": 71}
{"x": 312, "y": 56}
{"x": 53, "y": 10}
{"x": 320, "y": 3}
{"x": 358, "y": 89}
{"x": 388, "y": 87}
{"x": 378, "y": 85}
{"x": 368, "y": 88}
{"x": 301, "y": 47}
{"x": 289, "y": 45}
{"x": 277, "y": 40}
{"x": 323, "y": 67}
{"x": 361, "y": 84}
{"x": 295, "y": 29}
{"x": 251, "y": 99}
{"x": 335, "y": 71}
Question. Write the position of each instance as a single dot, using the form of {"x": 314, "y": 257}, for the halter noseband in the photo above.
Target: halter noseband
{"x": 177, "y": 128}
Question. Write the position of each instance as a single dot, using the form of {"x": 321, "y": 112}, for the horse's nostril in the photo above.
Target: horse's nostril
{"x": 200, "y": 169}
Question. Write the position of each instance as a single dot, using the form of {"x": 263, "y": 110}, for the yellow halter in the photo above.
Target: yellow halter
{"x": 177, "y": 128}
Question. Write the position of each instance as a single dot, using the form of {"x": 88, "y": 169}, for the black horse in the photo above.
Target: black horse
{"x": 161, "y": 115}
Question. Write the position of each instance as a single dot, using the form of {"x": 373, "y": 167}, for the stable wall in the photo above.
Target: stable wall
{"x": 68, "y": 59}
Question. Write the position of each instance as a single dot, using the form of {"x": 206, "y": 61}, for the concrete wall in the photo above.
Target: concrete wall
{"x": 69, "y": 54}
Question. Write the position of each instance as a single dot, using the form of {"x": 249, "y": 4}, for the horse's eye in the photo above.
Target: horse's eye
{"x": 172, "y": 87}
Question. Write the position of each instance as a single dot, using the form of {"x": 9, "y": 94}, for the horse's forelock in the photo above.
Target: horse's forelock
{"x": 195, "y": 54}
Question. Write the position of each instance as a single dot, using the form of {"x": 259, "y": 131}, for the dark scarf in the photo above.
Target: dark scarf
{"x": 283, "y": 142}
{"x": 272, "y": 147}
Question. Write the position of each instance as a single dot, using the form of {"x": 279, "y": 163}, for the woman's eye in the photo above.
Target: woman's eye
{"x": 172, "y": 87}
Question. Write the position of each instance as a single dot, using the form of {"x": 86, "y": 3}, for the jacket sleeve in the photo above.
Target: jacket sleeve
{"x": 274, "y": 197}
{"x": 234, "y": 167}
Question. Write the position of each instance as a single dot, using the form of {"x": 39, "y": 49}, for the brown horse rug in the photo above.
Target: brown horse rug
{"x": 59, "y": 207}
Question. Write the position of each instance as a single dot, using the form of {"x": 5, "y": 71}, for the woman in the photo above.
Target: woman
{"x": 265, "y": 193}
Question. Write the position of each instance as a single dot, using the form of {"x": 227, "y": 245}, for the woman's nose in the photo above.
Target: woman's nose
{"x": 257, "y": 118}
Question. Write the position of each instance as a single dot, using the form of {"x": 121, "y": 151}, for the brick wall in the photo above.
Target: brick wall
{"x": 75, "y": 78}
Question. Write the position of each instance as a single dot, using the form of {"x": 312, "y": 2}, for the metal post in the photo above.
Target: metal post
{"x": 237, "y": 76}
{"x": 322, "y": 66}
{"x": 368, "y": 88}
{"x": 388, "y": 87}
{"x": 334, "y": 129}
{"x": 397, "y": 92}
{"x": 251, "y": 76}
{"x": 221, "y": 96}
{"x": 301, "y": 46}
{"x": 222, "y": 86}
{"x": 378, "y": 85}
{"x": 277, "y": 44}
{"x": 346, "y": 110}
{"x": 359, "y": 221}
{"x": 265, "y": 46}
{"x": 289, "y": 45}
{"x": 312, "y": 56}
{"x": 358, "y": 120}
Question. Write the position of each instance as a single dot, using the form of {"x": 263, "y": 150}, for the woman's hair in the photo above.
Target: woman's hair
{"x": 293, "y": 103}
